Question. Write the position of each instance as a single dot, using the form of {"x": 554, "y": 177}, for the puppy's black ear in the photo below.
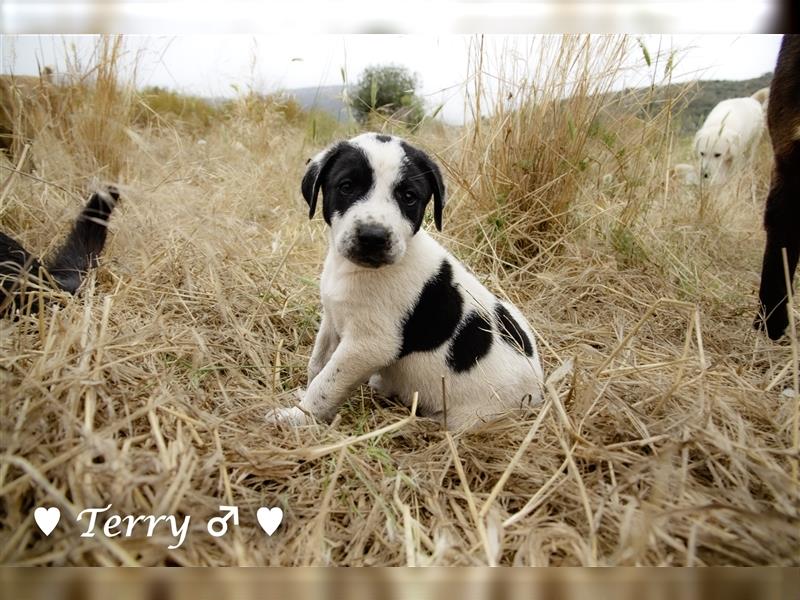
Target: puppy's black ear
{"x": 434, "y": 177}
{"x": 312, "y": 180}
{"x": 309, "y": 186}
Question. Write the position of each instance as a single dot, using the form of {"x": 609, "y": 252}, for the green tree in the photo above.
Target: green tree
{"x": 390, "y": 91}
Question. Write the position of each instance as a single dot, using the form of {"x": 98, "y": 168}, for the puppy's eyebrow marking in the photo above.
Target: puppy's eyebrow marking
{"x": 383, "y": 138}
{"x": 471, "y": 343}
{"x": 435, "y": 316}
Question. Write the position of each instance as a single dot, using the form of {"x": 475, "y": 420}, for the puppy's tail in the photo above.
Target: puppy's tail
{"x": 85, "y": 242}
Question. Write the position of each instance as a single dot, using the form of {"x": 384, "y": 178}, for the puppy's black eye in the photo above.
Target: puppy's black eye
{"x": 408, "y": 197}
{"x": 345, "y": 187}
{"x": 717, "y": 154}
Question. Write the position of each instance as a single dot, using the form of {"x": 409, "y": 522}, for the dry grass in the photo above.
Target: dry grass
{"x": 668, "y": 434}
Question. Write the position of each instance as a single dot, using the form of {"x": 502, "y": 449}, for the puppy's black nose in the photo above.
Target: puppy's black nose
{"x": 372, "y": 237}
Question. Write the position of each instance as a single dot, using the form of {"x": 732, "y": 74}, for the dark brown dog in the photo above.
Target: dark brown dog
{"x": 782, "y": 214}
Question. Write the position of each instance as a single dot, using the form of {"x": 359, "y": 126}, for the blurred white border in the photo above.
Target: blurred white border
{"x": 359, "y": 16}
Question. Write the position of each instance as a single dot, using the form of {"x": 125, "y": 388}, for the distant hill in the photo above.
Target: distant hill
{"x": 326, "y": 98}
{"x": 709, "y": 93}
{"x": 699, "y": 98}
{"x": 697, "y": 102}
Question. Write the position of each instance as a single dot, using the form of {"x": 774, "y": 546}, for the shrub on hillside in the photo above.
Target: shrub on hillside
{"x": 389, "y": 92}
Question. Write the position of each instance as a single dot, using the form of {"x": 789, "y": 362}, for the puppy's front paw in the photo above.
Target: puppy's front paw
{"x": 287, "y": 416}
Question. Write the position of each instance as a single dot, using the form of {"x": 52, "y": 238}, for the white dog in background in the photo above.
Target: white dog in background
{"x": 398, "y": 309}
{"x": 727, "y": 138}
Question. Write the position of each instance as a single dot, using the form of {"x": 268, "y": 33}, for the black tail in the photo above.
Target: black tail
{"x": 84, "y": 243}
{"x": 78, "y": 254}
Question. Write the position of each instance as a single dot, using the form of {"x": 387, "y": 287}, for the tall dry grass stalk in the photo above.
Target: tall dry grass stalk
{"x": 667, "y": 434}
{"x": 87, "y": 108}
{"x": 545, "y": 125}
{"x": 100, "y": 114}
{"x": 20, "y": 113}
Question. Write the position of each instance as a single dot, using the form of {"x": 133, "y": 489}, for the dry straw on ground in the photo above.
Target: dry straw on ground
{"x": 668, "y": 434}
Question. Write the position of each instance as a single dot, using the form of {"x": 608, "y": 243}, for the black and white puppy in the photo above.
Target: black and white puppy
{"x": 398, "y": 309}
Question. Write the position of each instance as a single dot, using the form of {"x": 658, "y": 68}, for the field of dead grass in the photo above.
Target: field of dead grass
{"x": 668, "y": 433}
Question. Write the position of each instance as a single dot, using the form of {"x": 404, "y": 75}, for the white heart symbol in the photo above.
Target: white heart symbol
{"x": 47, "y": 518}
{"x": 269, "y": 518}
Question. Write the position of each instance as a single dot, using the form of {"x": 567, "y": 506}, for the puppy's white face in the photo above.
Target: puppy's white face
{"x": 367, "y": 224}
{"x": 375, "y": 189}
{"x": 715, "y": 152}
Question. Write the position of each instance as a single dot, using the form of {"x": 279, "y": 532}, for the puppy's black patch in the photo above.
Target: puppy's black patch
{"x": 412, "y": 192}
{"x": 472, "y": 343}
{"x": 347, "y": 178}
{"x": 511, "y": 332}
{"x": 344, "y": 175}
{"x": 383, "y": 138}
{"x": 419, "y": 166}
{"x": 435, "y": 316}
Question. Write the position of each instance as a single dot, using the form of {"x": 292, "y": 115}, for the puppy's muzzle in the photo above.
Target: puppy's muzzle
{"x": 371, "y": 246}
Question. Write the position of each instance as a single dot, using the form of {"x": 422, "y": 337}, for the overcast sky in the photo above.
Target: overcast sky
{"x": 211, "y": 65}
